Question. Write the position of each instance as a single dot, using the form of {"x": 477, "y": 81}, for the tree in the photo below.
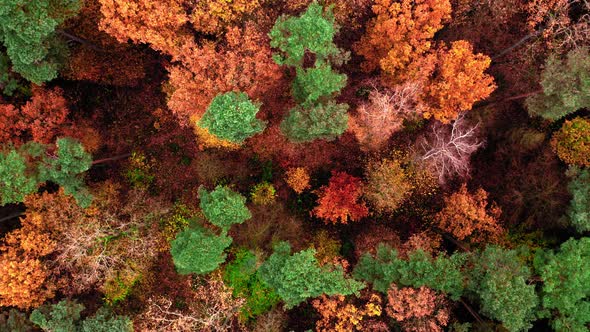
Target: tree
{"x": 399, "y": 37}
{"x": 232, "y": 116}
{"x": 65, "y": 317}
{"x": 443, "y": 274}
{"x": 198, "y": 251}
{"x": 499, "y": 281}
{"x": 565, "y": 275}
{"x": 298, "y": 179}
{"x": 470, "y": 217}
{"x": 387, "y": 185}
{"x": 23, "y": 281}
{"x": 15, "y": 321}
{"x": 297, "y": 277}
{"x": 339, "y": 200}
{"x": 448, "y": 149}
{"x": 458, "y": 82}
{"x": 572, "y": 142}
{"x": 376, "y": 120}
{"x": 223, "y": 207}
{"x": 313, "y": 31}
{"x": 579, "y": 209}
{"x": 27, "y": 30}
{"x": 417, "y": 309}
{"x": 320, "y": 122}
{"x": 22, "y": 170}
{"x": 340, "y": 315}
{"x": 566, "y": 86}
{"x": 312, "y": 84}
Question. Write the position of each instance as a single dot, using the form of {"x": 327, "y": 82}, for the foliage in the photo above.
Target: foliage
{"x": 298, "y": 179}
{"x": 326, "y": 121}
{"x": 27, "y": 30}
{"x": 14, "y": 321}
{"x": 572, "y": 142}
{"x": 339, "y": 201}
{"x": 565, "y": 275}
{"x": 297, "y": 277}
{"x": 340, "y": 316}
{"x": 313, "y": 84}
{"x": 418, "y": 310}
{"x": 23, "y": 281}
{"x": 443, "y": 274}
{"x": 139, "y": 172}
{"x": 470, "y": 216}
{"x": 212, "y": 16}
{"x": 400, "y": 35}
{"x": 60, "y": 317}
{"x": 65, "y": 317}
{"x": 8, "y": 83}
{"x": 388, "y": 184}
{"x": 263, "y": 193}
{"x": 118, "y": 286}
{"x": 459, "y": 81}
{"x": 241, "y": 275}
{"x": 198, "y": 251}
{"x": 579, "y": 208}
{"x": 565, "y": 83}
{"x": 313, "y": 31}
{"x": 178, "y": 221}
{"x": 15, "y": 183}
{"x": 223, "y": 207}
{"x": 232, "y": 116}
{"x": 499, "y": 280}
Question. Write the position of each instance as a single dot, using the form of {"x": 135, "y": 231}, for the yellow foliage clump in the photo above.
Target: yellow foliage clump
{"x": 213, "y": 15}
{"x": 340, "y": 316}
{"x": 263, "y": 193}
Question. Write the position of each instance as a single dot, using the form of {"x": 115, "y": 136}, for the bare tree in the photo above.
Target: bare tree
{"x": 380, "y": 117}
{"x": 448, "y": 148}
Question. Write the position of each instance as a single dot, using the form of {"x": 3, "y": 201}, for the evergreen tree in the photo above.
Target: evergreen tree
{"x": 566, "y": 86}
{"x": 232, "y": 116}
{"x": 565, "y": 296}
{"x": 579, "y": 208}
{"x": 223, "y": 207}
{"x": 27, "y": 30}
{"x": 326, "y": 121}
{"x": 298, "y": 277}
{"x": 198, "y": 250}
{"x": 311, "y": 84}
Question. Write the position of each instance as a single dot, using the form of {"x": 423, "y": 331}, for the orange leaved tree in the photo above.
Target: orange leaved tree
{"x": 470, "y": 217}
{"x": 458, "y": 82}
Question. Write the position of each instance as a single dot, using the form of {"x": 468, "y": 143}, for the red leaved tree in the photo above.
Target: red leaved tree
{"x": 339, "y": 201}
{"x": 418, "y": 310}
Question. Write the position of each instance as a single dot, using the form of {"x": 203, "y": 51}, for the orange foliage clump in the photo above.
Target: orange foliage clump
{"x": 213, "y": 15}
{"x": 40, "y": 119}
{"x": 298, "y": 179}
{"x": 155, "y": 22}
{"x": 340, "y": 316}
{"x": 418, "y": 310}
{"x": 401, "y": 35}
{"x": 459, "y": 81}
{"x": 23, "y": 281}
{"x": 244, "y": 64}
{"x": 469, "y": 216}
{"x": 339, "y": 201}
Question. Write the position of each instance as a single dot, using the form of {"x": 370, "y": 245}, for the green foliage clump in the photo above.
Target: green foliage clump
{"x": 22, "y": 170}
{"x": 8, "y": 83}
{"x": 118, "y": 287}
{"x": 498, "y": 280}
{"x": 14, "y": 321}
{"x": 565, "y": 295}
{"x": 311, "y": 84}
{"x": 179, "y": 220}
{"x": 579, "y": 208}
{"x": 65, "y": 317}
{"x": 313, "y": 31}
{"x": 566, "y": 86}
{"x": 198, "y": 250}
{"x": 320, "y": 122}
{"x": 27, "y": 30}
{"x": 223, "y": 207}
{"x": 242, "y": 276}
{"x": 232, "y": 116}
{"x": 298, "y": 277}
{"x": 442, "y": 273}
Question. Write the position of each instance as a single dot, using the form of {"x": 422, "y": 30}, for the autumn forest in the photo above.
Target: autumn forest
{"x": 294, "y": 165}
